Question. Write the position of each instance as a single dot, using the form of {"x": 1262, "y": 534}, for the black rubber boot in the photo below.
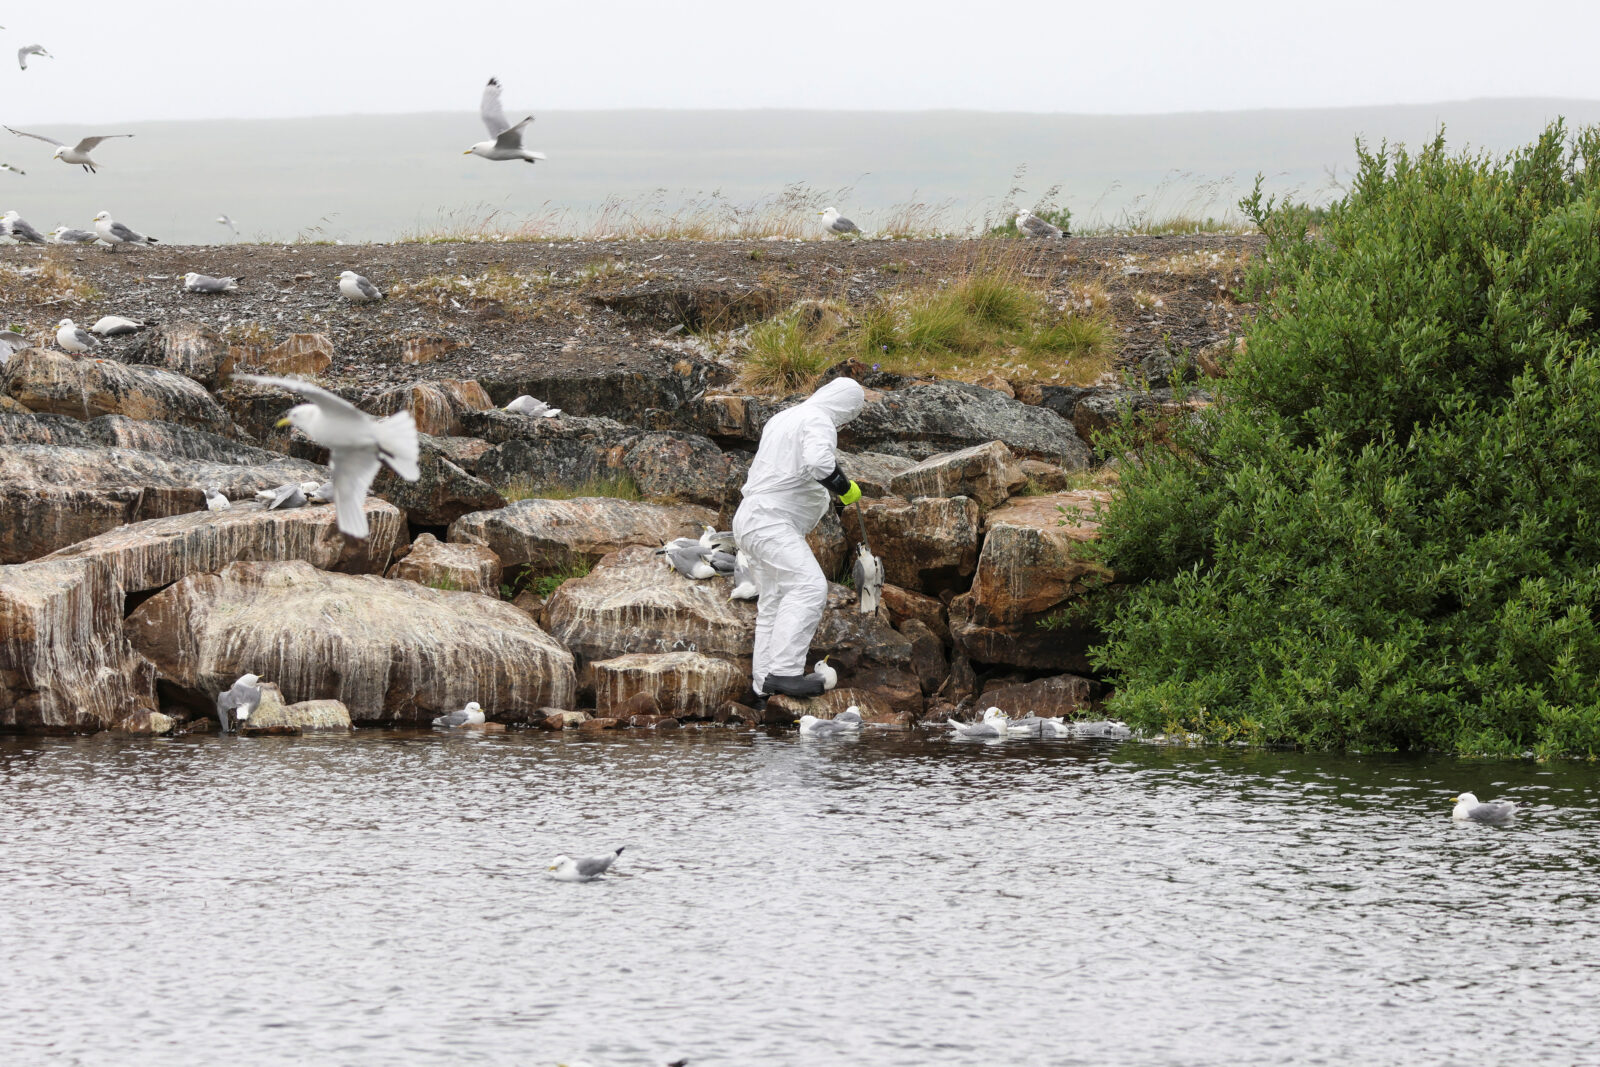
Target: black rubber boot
{"x": 793, "y": 685}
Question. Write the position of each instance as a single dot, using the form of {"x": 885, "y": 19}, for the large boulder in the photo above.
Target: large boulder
{"x": 875, "y": 472}
{"x": 164, "y": 439}
{"x": 191, "y": 349}
{"x": 434, "y": 405}
{"x": 51, "y": 497}
{"x": 623, "y": 394}
{"x": 450, "y": 566}
{"x": 686, "y": 468}
{"x": 927, "y": 545}
{"x": 1064, "y": 695}
{"x": 552, "y": 534}
{"x": 273, "y": 715}
{"x": 441, "y": 495}
{"x": 1033, "y": 568}
{"x": 54, "y": 383}
{"x": 684, "y": 684}
{"x": 157, "y": 552}
{"x": 301, "y": 355}
{"x": 988, "y": 473}
{"x": 393, "y": 652}
{"x": 925, "y": 420}
{"x": 65, "y": 664}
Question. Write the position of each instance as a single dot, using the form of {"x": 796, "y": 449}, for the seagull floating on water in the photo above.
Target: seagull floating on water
{"x": 77, "y": 154}
{"x": 992, "y": 726}
{"x": 75, "y": 340}
{"x": 838, "y": 726}
{"x": 507, "y": 143}
{"x": 356, "y": 444}
{"x": 568, "y": 869}
{"x": 471, "y": 715}
{"x": 1470, "y": 809}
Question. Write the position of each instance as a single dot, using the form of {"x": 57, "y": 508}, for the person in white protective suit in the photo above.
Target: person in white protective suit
{"x": 795, "y": 470}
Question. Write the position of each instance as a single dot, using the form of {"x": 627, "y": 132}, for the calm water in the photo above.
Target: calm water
{"x": 895, "y": 900}
{"x": 378, "y": 177}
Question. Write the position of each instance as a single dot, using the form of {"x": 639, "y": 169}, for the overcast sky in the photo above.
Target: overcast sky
{"x": 131, "y": 60}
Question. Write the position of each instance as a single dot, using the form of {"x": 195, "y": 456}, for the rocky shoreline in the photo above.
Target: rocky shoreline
{"x": 125, "y": 604}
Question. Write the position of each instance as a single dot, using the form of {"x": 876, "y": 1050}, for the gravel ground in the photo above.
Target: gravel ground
{"x": 539, "y": 307}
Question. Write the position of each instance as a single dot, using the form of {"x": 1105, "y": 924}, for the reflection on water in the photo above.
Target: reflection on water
{"x": 894, "y": 900}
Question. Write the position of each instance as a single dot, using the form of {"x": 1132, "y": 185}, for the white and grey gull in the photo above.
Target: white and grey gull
{"x": 471, "y": 715}
{"x": 238, "y": 702}
{"x": 116, "y": 234}
{"x": 76, "y": 154}
{"x": 205, "y": 283}
{"x": 507, "y": 138}
{"x": 566, "y": 869}
{"x": 357, "y": 289}
{"x": 1495, "y": 812}
{"x": 75, "y": 339}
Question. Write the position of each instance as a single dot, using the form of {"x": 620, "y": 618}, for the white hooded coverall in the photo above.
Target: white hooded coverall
{"x": 783, "y": 501}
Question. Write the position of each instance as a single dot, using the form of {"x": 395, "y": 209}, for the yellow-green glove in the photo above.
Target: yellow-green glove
{"x": 851, "y": 495}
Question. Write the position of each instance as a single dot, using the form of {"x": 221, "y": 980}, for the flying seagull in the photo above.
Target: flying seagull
{"x": 354, "y": 287}
{"x": 236, "y": 703}
{"x": 13, "y": 170}
{"x": 205, "y": 283}
{"x": 568, "y": 869}
{"x": 75, "y": 340}
{"x": 1469, "y": 809}
{"x": 356, "y": 443}
{"x": 836, "y": 223}
{"x": 16, "y": 227}
{"x": 116, "y": 326}
{"x": 507, "y": 143}
{"x": 226, "y": 221}
{"x": 78, "y": 153}
{"x": 115, "y": 233}
{"x": 31, "y": 50}
{"x": 1031, "y": 225}
{"x": 471, "y": 715}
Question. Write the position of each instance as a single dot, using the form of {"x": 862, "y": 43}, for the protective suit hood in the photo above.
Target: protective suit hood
{"x": 842, "y": 399}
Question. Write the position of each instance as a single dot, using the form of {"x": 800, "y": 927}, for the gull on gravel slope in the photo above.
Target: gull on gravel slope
{"x": 116, "y": 326}
{"x": 115, "y": 233}
{"x": 17, "y": 228}
{"x": 356, "y": 444}
{"x": 1031, "y": 225}
{"x": 68, "y": 235}
{"x": 836, "y": 223}
{"x": 355, "y": 288}
{"x": 205, "y": 283}
{"x": 75, "y": 340}
{"x": 568, "y": 869}
{"x": 77, "y": 154}
{"x": 507, "y": 143}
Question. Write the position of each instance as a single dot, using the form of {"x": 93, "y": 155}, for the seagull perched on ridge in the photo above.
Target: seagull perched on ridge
{"x": 77, "y": 154}
{"x": 75, "y": 340}
{"x": 527, "y": 405}
{"x": 356, "y": 444}
{"x": 471, "y": 715}
{"x": 69, "y": 235}
{"x": 568, "y": 869}
{"x": 354, "y": 287}
{"x": 115, "y": 233}
{"x": 215, "y": 501}
{"x": 507, "y": 143}
{"x": 1031, "y": 225}
{"x": 286, "y": 496}
{"x": 836, "y": 223}
{"x": 16, "y": 227}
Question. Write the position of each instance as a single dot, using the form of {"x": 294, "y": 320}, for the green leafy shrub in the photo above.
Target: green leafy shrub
{"x": 1387, "y": 531}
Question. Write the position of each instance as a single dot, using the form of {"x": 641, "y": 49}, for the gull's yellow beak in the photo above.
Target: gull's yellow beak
{"x": 468, "y": 152}
{"x": 551, "y": 867}
{"x": 282, "y": 422}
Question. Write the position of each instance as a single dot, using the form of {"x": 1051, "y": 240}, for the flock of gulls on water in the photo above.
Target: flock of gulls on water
{"x": 359, "y": 444}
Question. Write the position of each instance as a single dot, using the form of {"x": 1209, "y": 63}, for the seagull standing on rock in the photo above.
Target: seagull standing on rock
{"x": 527, "y": 405}
{"x": 356, "y": 444}
{"x": 115, "y": 233}
{"x": 507, "y": 143}
{"x": 830, "y": 677}
{"x": 215, "y": 501}
{"x": 358, "y": 290}
{"x": 74, "y": 340}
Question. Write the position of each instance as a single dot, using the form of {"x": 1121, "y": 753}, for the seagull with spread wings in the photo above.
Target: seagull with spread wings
{"x": 78, "y": 153}
{"x": 507, "y": 143}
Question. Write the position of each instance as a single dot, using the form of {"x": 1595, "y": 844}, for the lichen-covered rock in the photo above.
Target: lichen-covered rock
{"x": 165, "y": 439}
{"x": 874, "y": 472}
{"x": 464, "y": 452}
{"x": 1046, "y": 477}
{"x": 157, "y": 552}
{"x": 924, "y": 420}
{"x": 1064, "y": 695}
{"x": 686, "y": 468}
{"x": 873, "y": 707}
{"x": 392, "y": 652}
{"x": 926, "y": 545}
{"x": 1032, "y": 567}
{"x": 434, "y": 405}
{"x": 51, "y": 497}
{"x": 430, "y": 561}
{"x": 191, "y": 349}
{"x": 64, "y": 662}
{"x": 685, "y": 684}
{"x": 441, "y": 495}
{"x": 1103, "y": 408}
{"x": 54, "y": 383}
{"x": 145, "y": 721}
{"x": 988, "y": 473}
{"x": 273, "y": 714}
{"x": 301, "y": 355}
{"x": 927, "y": 655}
{"x": 555, "y": 533}
{"x": 903, "y": 604}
